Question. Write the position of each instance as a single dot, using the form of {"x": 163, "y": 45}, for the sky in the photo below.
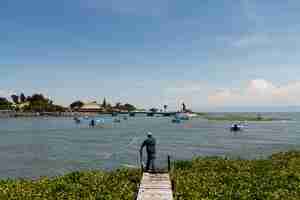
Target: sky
{"x": 209, "y": 54}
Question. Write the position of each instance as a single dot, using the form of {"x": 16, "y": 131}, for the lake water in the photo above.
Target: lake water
{"x": 33, "y": 147}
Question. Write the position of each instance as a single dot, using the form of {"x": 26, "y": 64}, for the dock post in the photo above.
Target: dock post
{"x": 169, "y": 163}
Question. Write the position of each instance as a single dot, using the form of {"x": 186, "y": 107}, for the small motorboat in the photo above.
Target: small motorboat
{"x": 176, "y": 120}
{"x": 100, "y": 121}
{"x": 236, "y": 127}
{"x": 77, "y": 120}
{"x": 116, "y": 120}
{"x": 182, "y": 116}
{"x": 114, "y": 114}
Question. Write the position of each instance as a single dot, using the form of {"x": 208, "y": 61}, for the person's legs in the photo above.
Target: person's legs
{"x": 148, "y": 163}
{"x": 153, "y": 164}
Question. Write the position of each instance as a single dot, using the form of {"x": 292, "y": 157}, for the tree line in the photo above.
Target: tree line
{"x": 34, "y": 103}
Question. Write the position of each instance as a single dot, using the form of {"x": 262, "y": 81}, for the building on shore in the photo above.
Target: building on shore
{"x": 91, "y": 107}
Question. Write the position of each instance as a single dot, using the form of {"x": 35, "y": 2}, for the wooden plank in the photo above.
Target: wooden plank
{"x": 155, "y": 187}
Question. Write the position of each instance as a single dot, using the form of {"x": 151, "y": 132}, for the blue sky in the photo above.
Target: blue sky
{"x": 207, "y": 53}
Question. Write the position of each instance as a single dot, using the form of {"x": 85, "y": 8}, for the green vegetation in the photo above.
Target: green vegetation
{"x": 127, "y": 107}
{"x": 275, "y": 178}
{"x": 120, "y": 184}
{"x": 76, "y": 105}
{"x": 237, "y": 117}
{"x": 5, "y": 104}
{"x": 39, "y": 103}
{"x": 215, "y": 178}
{"x": 34, "y": 103}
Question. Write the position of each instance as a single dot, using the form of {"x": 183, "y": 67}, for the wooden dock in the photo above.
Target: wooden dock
{"x": 155, "y": 187}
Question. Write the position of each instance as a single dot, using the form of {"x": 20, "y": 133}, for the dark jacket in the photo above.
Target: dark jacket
{"x": 150, "y": 146}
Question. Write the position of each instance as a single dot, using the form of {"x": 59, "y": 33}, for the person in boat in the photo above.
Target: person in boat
{"x": 77, "y": 120}
{"x": 150, "y": 144}
{"x": 92, "y": 123}
{"x": 235, "y": 127}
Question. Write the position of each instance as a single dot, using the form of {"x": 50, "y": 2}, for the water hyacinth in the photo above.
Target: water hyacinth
{"x": 119, "y": 184}
{"x": 201, "y": 178}
{"x": 214, "y": 178}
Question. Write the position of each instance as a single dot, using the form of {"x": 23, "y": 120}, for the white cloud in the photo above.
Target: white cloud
{"x": 258, "y": 92}
{"x": 6, "y": 93}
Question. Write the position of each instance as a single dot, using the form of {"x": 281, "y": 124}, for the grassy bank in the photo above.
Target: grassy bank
{"x": 214, "y": 178}
{"x": 237, "y": 117}
{"x": 203, "y": 178}
{"x": 89, "y": 185}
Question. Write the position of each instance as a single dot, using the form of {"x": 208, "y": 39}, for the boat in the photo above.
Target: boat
{"x": 182, "y": 116}
{"x": 176, "y": 120}
{"x": 150, "y": 114}
{"x": 77, "y": 120}
{"x": 116, "y": 120}
{"x": 100, "y": 121}
{"x": 236, "y": 127}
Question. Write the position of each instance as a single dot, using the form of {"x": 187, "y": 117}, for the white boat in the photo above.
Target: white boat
{"x": 176, "y": 120}
{"x": 237, "y": 127}
{"x": 185, "y": 115}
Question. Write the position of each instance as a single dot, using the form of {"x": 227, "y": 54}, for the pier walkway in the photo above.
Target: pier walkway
{"x": 155, "y": 187}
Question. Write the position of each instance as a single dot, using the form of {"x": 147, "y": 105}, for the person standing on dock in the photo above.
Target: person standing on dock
{"x": 150, "y": 144}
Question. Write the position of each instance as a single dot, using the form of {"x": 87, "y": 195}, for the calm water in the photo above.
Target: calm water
{"x": 33, "y": 147}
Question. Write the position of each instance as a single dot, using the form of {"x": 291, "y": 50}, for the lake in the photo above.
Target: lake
{"x": 34, "y": 147}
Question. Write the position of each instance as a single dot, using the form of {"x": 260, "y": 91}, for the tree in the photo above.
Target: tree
{"x": 104, "y": 103}
{"x": 5, "y": 104}
{"x": 22, "y": 98}
{"x": 38, "y": 97}
{"x": 28, "y": 98}
{"x": 76, "y": 105}
{"x": 39, "y": 103}
{"x": 109, "y": 108}
{"x": 118, "y": 105}
{"x": 15, "y": 98}
{"x": 129, "y": 107}
{"x": 3, "y": 101}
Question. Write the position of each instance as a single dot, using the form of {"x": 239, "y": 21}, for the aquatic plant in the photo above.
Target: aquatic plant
{"x": 119, "y": 184}
{"x": 212, "y": 178}
{"x": 215, "y": 178}
{"x": 237, "y": 117}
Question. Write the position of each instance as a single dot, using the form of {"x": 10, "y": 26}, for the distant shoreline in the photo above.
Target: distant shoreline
{"x": 240, "y": 117}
